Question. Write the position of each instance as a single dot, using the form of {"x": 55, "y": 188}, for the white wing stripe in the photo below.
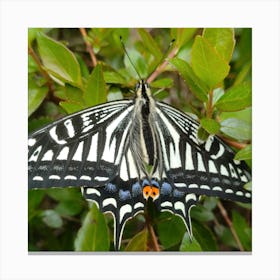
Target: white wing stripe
{"x": 92, "y": 155}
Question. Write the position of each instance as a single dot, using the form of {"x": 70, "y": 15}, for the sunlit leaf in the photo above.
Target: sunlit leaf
{"x": 138, "y": 242}
{"x": 207, "y": 63}
{"x": 236, "y": 98}
{"x": 150, "y": 43}
{"x": 58, "y": 60}
{"x": 244, "y": 154}
{"x": 95, "y": 91}
{"x": 210, "y": 125}
{"x": 197, "y": 87}
{"x": 222, "y": 39}
{"x": 189, "y": 245}
{"x": 36, "y": 96}
{"x": 93, "y": 235}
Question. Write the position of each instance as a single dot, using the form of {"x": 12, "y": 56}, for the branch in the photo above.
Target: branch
{"x": 234, "y": 143}
{"x": 228, "y": 221}
{"x": 161, "y": 67}
{"x": 89, "y": 47}
{"x": 154, "y": 238}
{"x": 42, "y": 70}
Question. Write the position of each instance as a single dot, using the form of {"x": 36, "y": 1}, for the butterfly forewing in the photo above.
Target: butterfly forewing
{"x": 82, "y": 149}
{"x": 201, "y": 168}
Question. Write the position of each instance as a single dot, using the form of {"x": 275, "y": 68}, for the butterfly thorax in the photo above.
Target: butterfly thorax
{"x": 143, "y": 133}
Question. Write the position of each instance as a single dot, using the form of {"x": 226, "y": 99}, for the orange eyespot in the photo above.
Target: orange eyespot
{"x": 154, "y": 193}
{"x": 149, "y": 191}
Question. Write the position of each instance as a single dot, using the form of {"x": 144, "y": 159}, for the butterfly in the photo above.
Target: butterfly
{"x": 127, "y": 152}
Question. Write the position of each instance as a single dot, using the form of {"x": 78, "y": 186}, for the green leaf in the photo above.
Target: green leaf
{"x": 114, "y": 94}
{"x": 36, "y": 96}
{"x": 64, "y": 194}
{"x": 207, "y": 64}
{"x": 138, "y": 242}
{"x": 59, "y": 61}
{"x": 236, "y": 98}
{"x": 162, "y": 83}
{"x": 189, "y": 245}
{"x": 95, "y": 92}
{"x": 217, "y": 94}
{"x": 237, "y": 129}
{"x": 204, "y": 237}
{"x": 245, "y": 153}
{"x": 150, "y": 44}
{"x": 225, "y": 236}
{"x": 70, "y": 107}
{"x": 210, "y": 125}
{"x": 170, "y": 229}
{"x": 139, "y": 63}
{"x": 202, "y": 214}
{"x": 182, "y": 35}
{"x": 51, "y": 218}
{"x": 243, "y": 231}
{"x": 202, "y": 134}
{"x": 32, "y": 33}
{"x": 93, "y": 235}
{"x": 161, "y": 94}
{"x": 35, "y": 197}
{"x": 69, "y": 207}
{"x": 243, "y": 73}
{"x": 244, "y": 115}
{"x": 194, "y": 83}
{"x": 111, "y": 77}
{"x": 222, "y": 39}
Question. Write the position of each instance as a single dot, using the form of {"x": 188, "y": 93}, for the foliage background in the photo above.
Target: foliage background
{"x": 207, "y": 73}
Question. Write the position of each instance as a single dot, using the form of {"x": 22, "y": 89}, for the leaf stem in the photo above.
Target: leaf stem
{"x": 89, "y": 47}
{"x": 209, "y": 108}
{"x": 229, "y": 222}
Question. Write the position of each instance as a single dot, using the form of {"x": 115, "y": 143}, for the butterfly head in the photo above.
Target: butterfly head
{"x": 143, "y": 89}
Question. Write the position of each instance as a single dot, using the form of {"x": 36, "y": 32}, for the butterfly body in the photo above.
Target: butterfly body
{"x": 123, "y": 153}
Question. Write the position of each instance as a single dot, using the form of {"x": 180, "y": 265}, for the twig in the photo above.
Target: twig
{"x": 160, "y": 68}
{"x": 42, "y": 70}
{"x": 210, "y": 105}
{"x": 89, "y": 46}
{"x": 234, "y": 143}
{"x": 228, "y": 221}
{"x": 154, "y": 238}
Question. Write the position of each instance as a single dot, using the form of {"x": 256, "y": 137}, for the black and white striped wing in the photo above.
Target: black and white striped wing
{"x": 91, "y": 150}
{"x": 123, "y": 195}
{"x": 83, "y": 149}
{"x": 191, "y": 168}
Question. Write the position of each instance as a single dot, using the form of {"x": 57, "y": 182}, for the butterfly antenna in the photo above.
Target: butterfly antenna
{"x": 135, "y": 69}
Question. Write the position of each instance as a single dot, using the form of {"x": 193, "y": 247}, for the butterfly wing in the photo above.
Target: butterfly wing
{"x": 191, "y": 168}
{"x": 83, "y": 149}
{"x": 122, "y": 196}
{"x": 91, "y": 149}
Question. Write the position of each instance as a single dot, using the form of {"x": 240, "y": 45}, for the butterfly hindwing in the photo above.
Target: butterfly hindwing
{"x": 122, "y": 196}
